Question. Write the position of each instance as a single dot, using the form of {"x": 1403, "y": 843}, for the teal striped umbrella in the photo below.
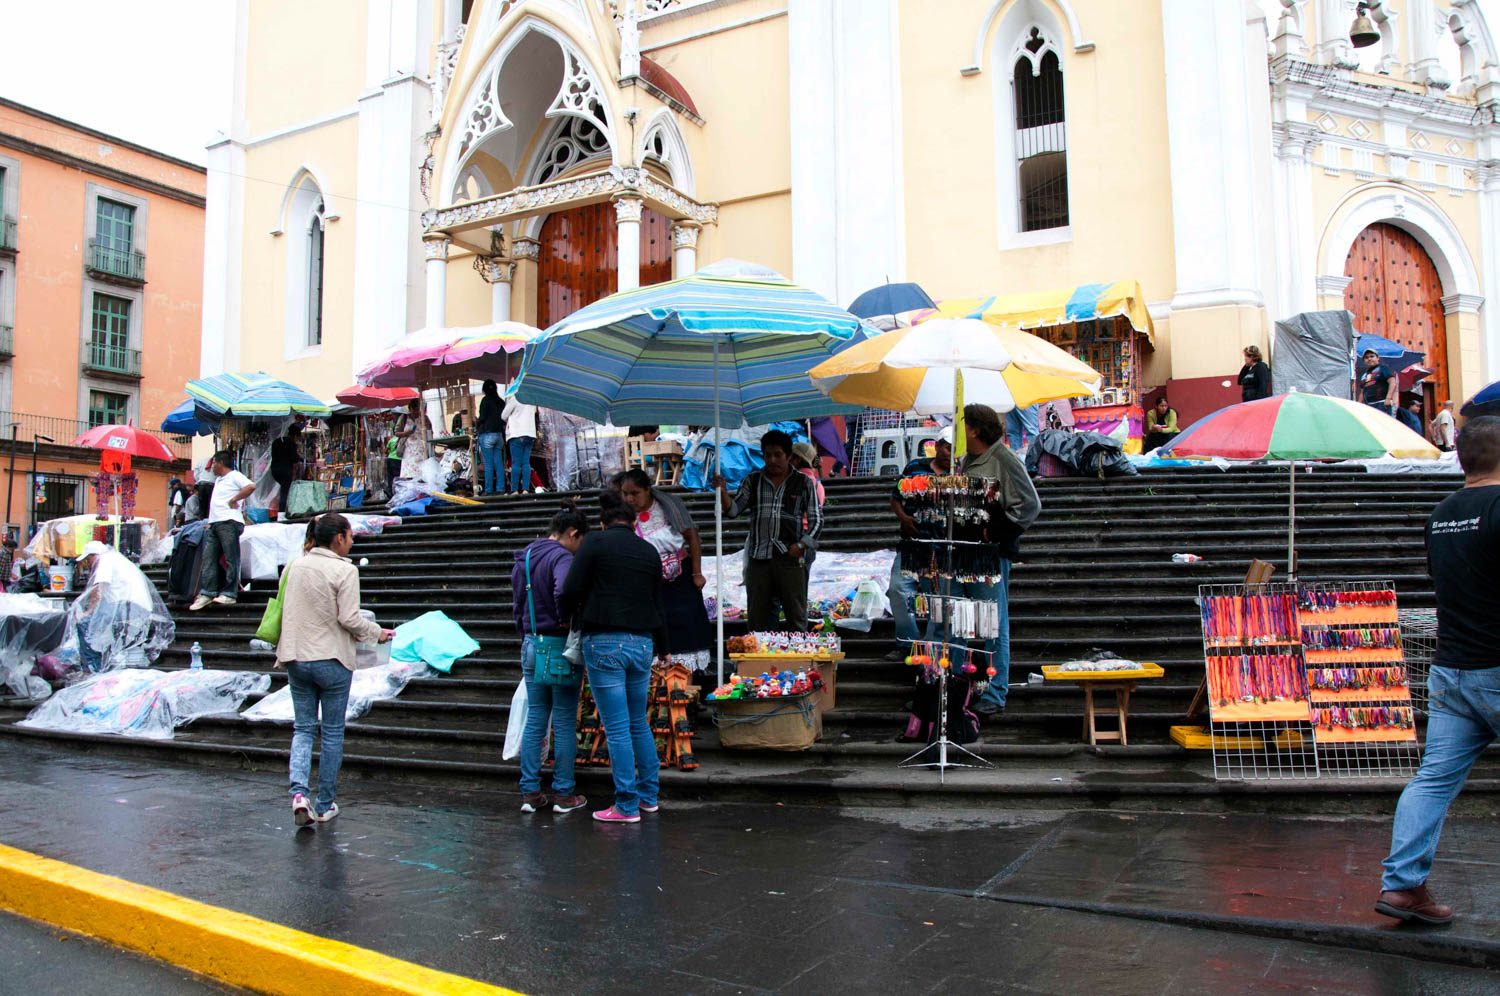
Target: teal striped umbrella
{"x": 248, "y": 395}
{"x": 731, "y": 343}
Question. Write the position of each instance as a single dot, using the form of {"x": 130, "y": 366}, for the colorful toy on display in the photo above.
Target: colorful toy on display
{"x": 815, "y": 644}
{"x": 768, "y": 685}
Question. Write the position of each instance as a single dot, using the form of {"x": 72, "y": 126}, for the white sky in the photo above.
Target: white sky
{"x": 154, "y": 72}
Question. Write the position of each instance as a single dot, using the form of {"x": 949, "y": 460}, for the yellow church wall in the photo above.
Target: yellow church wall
{"x": 1118, "y": 174}
{"x": 469, "y": 297}
{"x": 309, "y": 61}
{"x": 331, "y": 152}
{"x": 758, "y": 230}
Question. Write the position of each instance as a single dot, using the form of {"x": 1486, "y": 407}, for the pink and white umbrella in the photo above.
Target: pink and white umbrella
{"x": 480, "y": 352}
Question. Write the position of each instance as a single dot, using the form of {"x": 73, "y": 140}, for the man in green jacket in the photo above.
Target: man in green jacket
{"x": 988, "y": 456}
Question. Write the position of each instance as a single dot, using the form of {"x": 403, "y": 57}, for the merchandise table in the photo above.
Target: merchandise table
{"x": 1121, "y": 682}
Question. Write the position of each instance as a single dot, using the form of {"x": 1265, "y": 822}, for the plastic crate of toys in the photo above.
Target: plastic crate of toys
{"x": 758, "y": 652}
{"x": 770, "y": 711}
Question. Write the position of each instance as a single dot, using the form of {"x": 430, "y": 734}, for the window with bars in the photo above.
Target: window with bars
{"x": 107, "y": 408}
{"x": 111, "y": 328}
{"x": 315, "y": 236}
{"x": 1041, "y": 135}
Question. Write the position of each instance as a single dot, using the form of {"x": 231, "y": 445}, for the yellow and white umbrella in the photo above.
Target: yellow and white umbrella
{"x": 913, "y": 369}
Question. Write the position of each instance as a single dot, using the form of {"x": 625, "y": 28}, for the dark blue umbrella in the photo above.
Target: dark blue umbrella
{"x": 889, "y": 300}
{"x": 1486, "y": 402}
{"x": 1394, "y": 355}
{"x": 186, "y": 420}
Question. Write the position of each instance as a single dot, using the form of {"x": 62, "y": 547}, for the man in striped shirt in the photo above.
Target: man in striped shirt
{"x": 785, "y": 522}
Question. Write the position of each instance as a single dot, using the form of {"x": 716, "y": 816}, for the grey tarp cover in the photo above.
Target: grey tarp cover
{"x": 1313, "y": 352}
{"x": 1086, "y": 454}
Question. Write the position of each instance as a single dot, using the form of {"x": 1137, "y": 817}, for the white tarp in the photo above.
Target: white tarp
{"x": 835, "y": 578}
{"x": 370, "y": 685}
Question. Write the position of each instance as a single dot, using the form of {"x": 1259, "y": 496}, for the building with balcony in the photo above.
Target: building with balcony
{"x": 94, "y": 327}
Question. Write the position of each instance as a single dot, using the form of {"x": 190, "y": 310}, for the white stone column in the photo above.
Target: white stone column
{"x": 628, "y": 250}
{"x": 1488, "y": 177}
{"x": 497, "y": 272}
{"x": 684, "y": 249}
{"x": 435, "y": 251}
{"x": 1292, "y": 192}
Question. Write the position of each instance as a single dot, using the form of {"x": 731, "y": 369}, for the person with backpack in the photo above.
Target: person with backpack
{"x": 536, "y": 584}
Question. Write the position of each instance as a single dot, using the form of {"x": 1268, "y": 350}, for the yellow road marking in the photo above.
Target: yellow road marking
{"x": 222, "y": 944}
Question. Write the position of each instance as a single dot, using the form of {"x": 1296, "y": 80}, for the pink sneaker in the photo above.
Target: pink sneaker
{"x": 613, "y": 815}
{"x": 651, "y": 808}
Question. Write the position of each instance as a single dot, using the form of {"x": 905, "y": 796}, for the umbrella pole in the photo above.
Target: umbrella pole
{"x": 1291, "y": 524}
{"x": 718, "y": 525}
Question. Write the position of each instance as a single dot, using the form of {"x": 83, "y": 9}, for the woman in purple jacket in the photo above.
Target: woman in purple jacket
{"x": 550, "y": 559}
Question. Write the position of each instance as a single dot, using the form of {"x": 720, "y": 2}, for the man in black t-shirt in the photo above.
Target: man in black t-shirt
{"x": 1463, "y": 557}
{"x": 1377, "y": 384}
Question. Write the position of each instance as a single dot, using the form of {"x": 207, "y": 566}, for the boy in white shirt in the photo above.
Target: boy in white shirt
{"x": 225, "y": 523}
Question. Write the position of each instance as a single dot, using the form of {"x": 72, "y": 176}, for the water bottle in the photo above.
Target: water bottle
{"x": 196, "y": 656}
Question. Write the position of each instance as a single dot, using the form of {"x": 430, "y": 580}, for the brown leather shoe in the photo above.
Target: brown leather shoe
{"x": 1414, "y": 904}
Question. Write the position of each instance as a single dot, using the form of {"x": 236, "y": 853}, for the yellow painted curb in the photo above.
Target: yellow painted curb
{"x": 232, "y": 947}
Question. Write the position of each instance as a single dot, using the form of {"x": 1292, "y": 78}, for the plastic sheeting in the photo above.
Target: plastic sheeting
{"x": 119, "y": 620}
{"x": 267, "y": 547}
{"x": 370, "y": 685}
{"x": 30, "y": 626}
{"x": 836, "y": 579}
{"x": 434, "y": 639}
{"x": 1314, "y": 351}
{"x": 65, "y": 538}
{"x": 144, "y": 703}
{"x": 1085, "y": 454}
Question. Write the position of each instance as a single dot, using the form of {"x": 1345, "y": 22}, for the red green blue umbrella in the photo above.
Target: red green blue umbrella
{"x": 1296, "y": 427}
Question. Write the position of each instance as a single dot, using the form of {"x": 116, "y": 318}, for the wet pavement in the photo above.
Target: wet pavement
{"x": 42, "y": 959}
{"x": 725, "y": 898}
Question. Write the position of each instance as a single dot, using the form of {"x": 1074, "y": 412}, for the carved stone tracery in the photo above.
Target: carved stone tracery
{"x": 591, "y": 187}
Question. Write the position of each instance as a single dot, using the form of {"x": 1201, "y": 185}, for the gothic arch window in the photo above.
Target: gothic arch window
{"x": 315, "y": 276}
{"x": 577, "y": 140}
{"x": 1041, "y": 139}
{"x": 305, "y": 219}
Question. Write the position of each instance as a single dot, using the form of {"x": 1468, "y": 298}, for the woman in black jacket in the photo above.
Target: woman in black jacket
{"x": 613, "y": 589}
{"x": 1255, "y": 376}
{"x": 490, "y": 433}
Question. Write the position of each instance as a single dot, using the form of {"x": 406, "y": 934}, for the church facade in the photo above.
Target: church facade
{"x": 391, "y": 164}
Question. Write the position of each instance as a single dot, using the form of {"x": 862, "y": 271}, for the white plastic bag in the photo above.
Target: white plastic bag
{"x": 869, "y": 603}
{"x": 516, "y": 726}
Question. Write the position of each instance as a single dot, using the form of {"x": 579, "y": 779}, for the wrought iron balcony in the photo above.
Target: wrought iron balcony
{"x": 107, "y": 359}
{"x": 7, "y": 342}
{"x": 63, "y": 431}
{"x": 8, "y": 236}
{"x": 116, "y": 264}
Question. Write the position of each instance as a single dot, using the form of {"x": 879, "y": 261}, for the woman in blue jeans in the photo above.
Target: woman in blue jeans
{"x": 536, "y": 584}
{"x": 614, "y": 590}
{"x": 320, "y": 623}
{"x": 490, "y": 430}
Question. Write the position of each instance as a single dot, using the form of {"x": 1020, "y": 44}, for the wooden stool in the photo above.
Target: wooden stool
{"x": 633, "y": 456}
{"x": 669, "y": 470}
{"x": 1122, "y": 690}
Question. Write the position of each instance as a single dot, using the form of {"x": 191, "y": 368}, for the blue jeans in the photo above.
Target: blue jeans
{"x": 520, "y": 463}
{"x": 901, "y": 591}
{"x": 1020, "y": 426}
{"x": 221, "y": 537}
{"x": 998, "y": 646}
{"x": 619, "y": 666}
{"x": 560, "y": 703}
{"x": 1463, "y": 717}
{"x": 491, "y": 445}
{"x": 318, "y": 687}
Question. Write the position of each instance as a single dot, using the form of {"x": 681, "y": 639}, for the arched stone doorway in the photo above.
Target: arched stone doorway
{"x": 578, "y": 264}
{"x": 1395, "y": 291}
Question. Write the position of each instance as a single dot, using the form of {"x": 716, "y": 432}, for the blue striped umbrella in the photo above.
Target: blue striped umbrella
{"x": 731, "y": 343}
{"x": 247, "y": 395}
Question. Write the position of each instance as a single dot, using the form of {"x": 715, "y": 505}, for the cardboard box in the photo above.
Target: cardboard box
{"x": 790, "y": 722}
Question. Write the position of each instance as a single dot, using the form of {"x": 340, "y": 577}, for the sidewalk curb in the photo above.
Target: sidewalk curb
{"x": 221, "y": 944}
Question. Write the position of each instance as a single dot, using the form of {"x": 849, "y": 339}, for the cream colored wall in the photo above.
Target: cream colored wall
{"x": 468, "y": 300}
{"x": 1119, "y": 184}
{"x": 331, "y": 152}
{"x": 759, "y": 230}
{"x": 309, "y": 61}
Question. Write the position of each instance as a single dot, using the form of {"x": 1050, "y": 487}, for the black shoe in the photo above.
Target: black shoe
{"x": 984, "y": 707}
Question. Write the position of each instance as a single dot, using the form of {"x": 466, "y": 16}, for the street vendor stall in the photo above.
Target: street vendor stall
{"x": 1106, "y": 326}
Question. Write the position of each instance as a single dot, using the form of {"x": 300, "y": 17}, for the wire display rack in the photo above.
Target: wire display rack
{"x": 882, "y": 440}
{"x": 1419, "y": 641}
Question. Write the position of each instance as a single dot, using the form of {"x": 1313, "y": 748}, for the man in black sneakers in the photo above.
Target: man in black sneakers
{"x": 1463, "y": 557}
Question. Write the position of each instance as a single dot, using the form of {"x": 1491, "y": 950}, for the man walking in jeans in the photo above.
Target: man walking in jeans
{"x": 785, "y": 522}
{"x": 225, "y": 523}
{"x": 1463, "y": 557}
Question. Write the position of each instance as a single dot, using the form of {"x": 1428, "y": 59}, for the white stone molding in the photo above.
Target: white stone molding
{"x": 1424, "y": 27}
{"x": 580, "y": 94}
{"x": 304, "y": 174}
{"x": 1291, "y": 192}
{"x": 684, "y": 250}
{"x": 435, "y": 247}
{"x": 494, "y": 269}
{"x": 1407, "y": 209}
{"x": 1476, "y": 47}
{"x": 587, "y": 189}
{"x": 527, "y": 249}
{"x": 1333, "y": 48}
{"x": 1329, "y": 285}
{"x": 685, "y": 236}
{"x": 1075, "y": 32}
{"x": 573, "y": 141}
{"x": 629, "y": 209}
{"x": 1289, "y": 41}
{"x": 662, "y": 140}
{"x": 441, "y": 80}
{"x": 1462, "y": 304}
{"x": 1384, "y": 19}
{"x": 628, "y": 20}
